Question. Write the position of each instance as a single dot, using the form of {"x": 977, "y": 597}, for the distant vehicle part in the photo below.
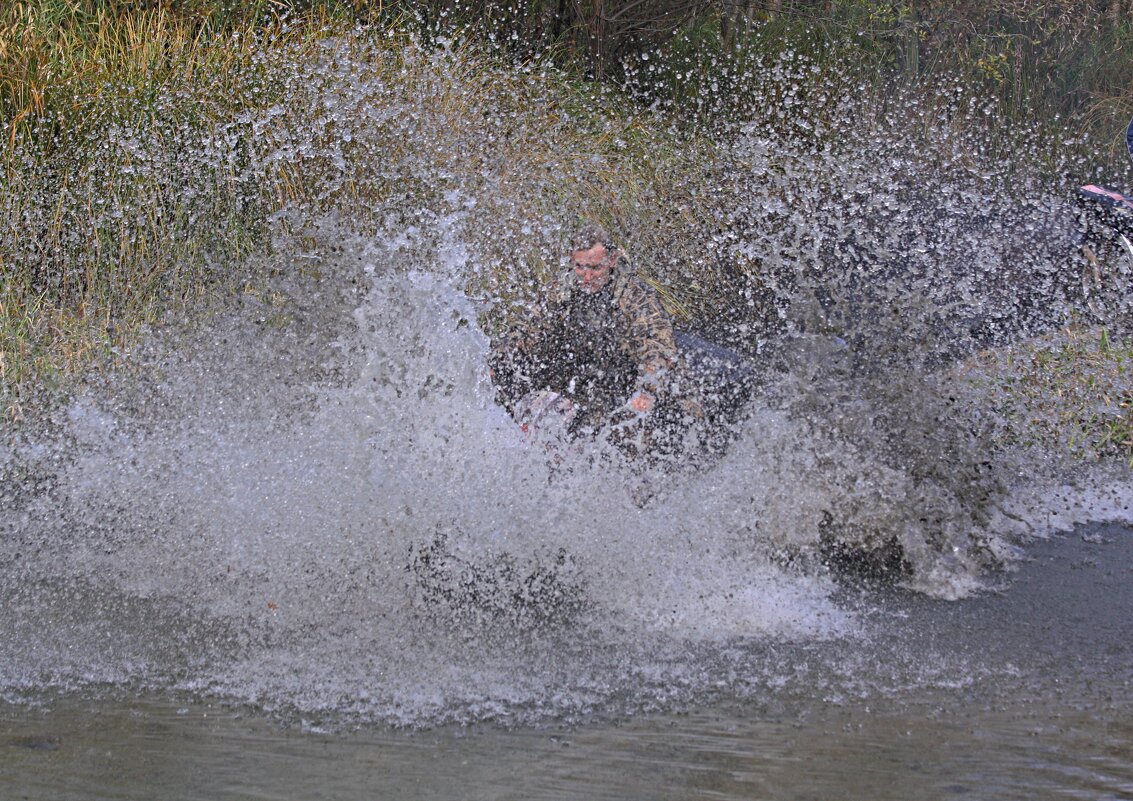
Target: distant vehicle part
{"x": 1107, "y": 247}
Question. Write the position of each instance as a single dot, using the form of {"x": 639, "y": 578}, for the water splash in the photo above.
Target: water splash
{"x": 312, "y": 502}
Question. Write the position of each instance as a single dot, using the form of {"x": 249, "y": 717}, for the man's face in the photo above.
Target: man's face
{"x": 593, "y": 267}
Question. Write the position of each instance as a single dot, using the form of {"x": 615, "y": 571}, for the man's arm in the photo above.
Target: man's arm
{"x": 651, "y": 337}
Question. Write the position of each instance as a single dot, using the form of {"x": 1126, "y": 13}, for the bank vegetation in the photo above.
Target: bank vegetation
{"x": 151, "y": 153}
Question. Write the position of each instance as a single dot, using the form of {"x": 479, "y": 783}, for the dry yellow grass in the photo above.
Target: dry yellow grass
{"x": 147, "y": 153}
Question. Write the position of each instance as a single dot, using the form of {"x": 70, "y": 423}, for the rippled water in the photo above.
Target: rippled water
{"x": 1015, "y": 696}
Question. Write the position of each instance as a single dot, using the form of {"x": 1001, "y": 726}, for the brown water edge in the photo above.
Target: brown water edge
{"x": 1046, "y": 712}
{"x": 146, "y": 749}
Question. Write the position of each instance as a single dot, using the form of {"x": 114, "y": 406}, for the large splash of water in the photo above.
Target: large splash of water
{"x": 313, "y": 503}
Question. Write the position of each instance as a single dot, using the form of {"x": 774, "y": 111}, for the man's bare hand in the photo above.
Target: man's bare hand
{"x": 642, "y": 402}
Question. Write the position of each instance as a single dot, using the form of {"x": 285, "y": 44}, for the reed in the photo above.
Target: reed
{"x": 120, "y": 201}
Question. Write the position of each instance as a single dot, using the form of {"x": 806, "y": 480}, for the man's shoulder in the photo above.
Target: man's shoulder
{"x": 628, "y": 279}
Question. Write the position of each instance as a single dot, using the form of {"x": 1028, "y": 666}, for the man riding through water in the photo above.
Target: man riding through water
{"x": 599, "y": 350}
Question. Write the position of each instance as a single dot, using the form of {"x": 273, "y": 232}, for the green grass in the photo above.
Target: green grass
{"x": 1068, "y": 392}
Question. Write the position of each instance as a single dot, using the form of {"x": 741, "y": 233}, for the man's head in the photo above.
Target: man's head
{"x": 593, "y": 258}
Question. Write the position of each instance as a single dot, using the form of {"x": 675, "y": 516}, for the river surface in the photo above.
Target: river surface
{"x": 1035, "y": 701}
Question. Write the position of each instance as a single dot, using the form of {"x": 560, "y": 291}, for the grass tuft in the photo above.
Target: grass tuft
{"x": 1067, "y": 392}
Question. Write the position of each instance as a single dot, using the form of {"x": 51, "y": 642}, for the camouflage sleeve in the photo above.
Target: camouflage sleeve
{"x": 650, "y": 328}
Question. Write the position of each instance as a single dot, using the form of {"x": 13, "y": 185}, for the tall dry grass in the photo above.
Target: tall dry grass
{"x": 122, "y": 197}
{"x": 147, "y": 154}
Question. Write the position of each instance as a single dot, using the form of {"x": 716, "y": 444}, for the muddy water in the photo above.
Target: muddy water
{"x": 1022, "y": 694}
